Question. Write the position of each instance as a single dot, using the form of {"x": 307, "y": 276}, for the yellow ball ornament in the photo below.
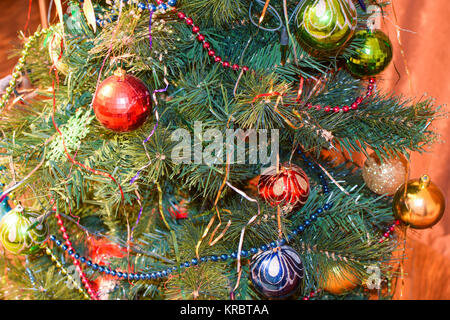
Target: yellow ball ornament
{"x": 384, "y": 176}
{"x": 340, "y": 279}
{"x": 21, "y": 233}
{"x": 325, "y": 26}
{"x": 421, "y": 205}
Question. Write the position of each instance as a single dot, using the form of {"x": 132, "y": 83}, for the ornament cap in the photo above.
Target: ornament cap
{"x": 424, "y": 181}
{"x": 121, "y": 73}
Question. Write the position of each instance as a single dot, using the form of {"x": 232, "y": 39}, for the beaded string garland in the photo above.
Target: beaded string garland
{"x": 200, "y": 37}
{"x": 59, "y": 265}
{"x": 214, "y": 258}
{"x": 162, "y": 7}
{"x": 156, "y": 275}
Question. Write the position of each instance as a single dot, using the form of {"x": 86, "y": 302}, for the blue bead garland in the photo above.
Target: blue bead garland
{"x": 143, "y": 6}
{"x": 215, "y": 258}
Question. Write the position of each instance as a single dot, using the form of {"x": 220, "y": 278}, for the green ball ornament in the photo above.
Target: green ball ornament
{"x": 21, "y": 234}
{"x": 325, "y": 26}
{"x": 374, "y": 55}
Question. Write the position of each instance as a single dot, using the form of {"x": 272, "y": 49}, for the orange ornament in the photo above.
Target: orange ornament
{"x": 340, "y": 279}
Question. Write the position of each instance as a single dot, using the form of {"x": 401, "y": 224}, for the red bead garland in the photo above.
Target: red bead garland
{"x": 236, "y": 67}
{"x": 389, "y": 231}
{"x": 346, "y": 108}
{"x": 77, "y": 264}
{"x": 207, "y": 45}
{"x": 311, "y": 294}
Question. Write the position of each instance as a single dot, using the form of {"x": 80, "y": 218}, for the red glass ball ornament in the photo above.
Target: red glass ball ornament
{"x": 122, "y": 102}
{"x": 288, "y": 188}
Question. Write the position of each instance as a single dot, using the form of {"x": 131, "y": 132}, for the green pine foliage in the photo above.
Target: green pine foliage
{"x": 199, "y": 90}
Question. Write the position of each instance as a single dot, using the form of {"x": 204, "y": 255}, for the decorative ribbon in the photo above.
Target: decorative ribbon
{"x": 109, "y": 50}
{"x": 98, "y": 172}
{"x": 269, "y": 94}
{"x": 29, "y": 15}
{"x": 205, "y": 233}
{"x": 156, "y": 124}
{"x": 241, "y": 239}
{"x": 139, "y": 215}
{"x": 12, "y": 188}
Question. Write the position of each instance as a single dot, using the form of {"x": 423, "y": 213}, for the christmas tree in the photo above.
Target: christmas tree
{"x": 203, "y": 150}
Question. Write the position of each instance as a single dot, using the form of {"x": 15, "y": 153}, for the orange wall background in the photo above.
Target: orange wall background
{"x": 427, "y": 55}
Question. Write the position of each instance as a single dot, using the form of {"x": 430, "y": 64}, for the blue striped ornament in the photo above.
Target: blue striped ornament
{"x": 277, "y": 273}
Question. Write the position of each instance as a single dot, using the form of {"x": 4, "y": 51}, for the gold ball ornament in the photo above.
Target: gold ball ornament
{"x": 421, "y": 206}
{"x": 340, "y": 279}
{"x": 384, "y": 176}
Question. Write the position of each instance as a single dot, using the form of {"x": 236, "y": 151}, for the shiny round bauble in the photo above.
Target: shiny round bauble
{"x": 333, "y": 156}
{"x": 56, "y": 54}
{"x": 20, "y": 234}
{"x": 373, "y": 55}
{"x": 339, "y": 279}
{"x": 325, "y": 26}
{"x": 288, "y": 187}
{"x": 421, "y": 206}
{"x": 384, "y": 176}
{"x": 122, "y": 102}
{"x": 277, "y": 273}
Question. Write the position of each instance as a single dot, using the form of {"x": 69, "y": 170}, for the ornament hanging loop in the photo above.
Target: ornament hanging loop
{"x": 374, "y": 21}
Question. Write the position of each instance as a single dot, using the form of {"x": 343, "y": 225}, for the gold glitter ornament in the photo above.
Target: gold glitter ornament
{"x": 384, "y": 177}
{"x": 421, "y": 206}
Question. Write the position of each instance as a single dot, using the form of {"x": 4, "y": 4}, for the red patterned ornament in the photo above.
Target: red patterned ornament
{"x": 288, "y": 188}
{"x": 122, "y": 102}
